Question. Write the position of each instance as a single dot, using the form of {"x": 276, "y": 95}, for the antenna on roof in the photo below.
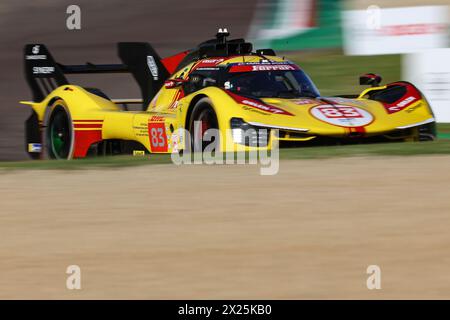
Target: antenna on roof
{"x": 222, "y": 34}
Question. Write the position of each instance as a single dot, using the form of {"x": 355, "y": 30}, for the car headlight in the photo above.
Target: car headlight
{"x": 246, "y": 134}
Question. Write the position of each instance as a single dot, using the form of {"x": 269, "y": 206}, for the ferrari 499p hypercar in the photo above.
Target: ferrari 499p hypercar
{"x": 221, "y": 84}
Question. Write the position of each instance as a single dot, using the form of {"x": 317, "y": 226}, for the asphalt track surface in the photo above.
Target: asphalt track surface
{"x": 211, "y": 232}
{"x": 170, "y": 25}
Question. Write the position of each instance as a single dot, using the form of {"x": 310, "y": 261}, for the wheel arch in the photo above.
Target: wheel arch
{"x": 192, "y": 104}
{"x": 48, "y": 108}
{"x": 222, "y": 103}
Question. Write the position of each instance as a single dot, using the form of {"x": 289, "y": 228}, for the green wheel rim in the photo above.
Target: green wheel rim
{"x": 60, "y": 135}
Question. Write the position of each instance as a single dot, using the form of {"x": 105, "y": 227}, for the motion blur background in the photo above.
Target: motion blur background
{"x": 334, "y": 41}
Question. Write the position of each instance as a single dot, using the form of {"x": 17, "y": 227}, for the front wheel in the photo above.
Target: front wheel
{"x": 427, "y": 132}
{"x": 203, "y": 118}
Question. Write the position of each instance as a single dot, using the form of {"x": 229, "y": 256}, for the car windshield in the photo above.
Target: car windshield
{"x": 265, "y": 84}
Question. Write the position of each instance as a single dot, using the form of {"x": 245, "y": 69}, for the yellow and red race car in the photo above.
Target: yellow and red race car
{"x": 249, "y": 97}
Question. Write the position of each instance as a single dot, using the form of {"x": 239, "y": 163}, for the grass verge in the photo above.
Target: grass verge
{"x": 441, "y": 147}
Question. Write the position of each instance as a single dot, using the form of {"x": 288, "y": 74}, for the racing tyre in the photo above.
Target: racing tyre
{"x": 59, "y": 133}
{"x": 427, "y": 132}
{"x": 204, "y": 117}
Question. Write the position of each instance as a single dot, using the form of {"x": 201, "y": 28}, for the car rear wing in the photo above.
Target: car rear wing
{"x": 44, "y": 74}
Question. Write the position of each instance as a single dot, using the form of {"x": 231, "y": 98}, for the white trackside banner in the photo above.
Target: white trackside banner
{"x": 394, "y": 30}
{"x": 430, "y": 72}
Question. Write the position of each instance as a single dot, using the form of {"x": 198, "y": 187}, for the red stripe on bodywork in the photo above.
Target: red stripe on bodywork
{"x": 257, "y": 104}
{"x": 88, "y": 120}
{"x": 83, "y": 140}
{"x": 87, "y": 125}
{"x": 361, "y": 130}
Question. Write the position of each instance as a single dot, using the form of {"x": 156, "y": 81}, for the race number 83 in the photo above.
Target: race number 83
{"x": 158, "y": 139}
{"x": 340, "y": 112}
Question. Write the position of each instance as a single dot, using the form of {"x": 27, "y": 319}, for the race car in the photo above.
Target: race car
{"x": 251, "y": 97}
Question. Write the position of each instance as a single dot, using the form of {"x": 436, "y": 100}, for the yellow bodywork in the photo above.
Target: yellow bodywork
{"x": 169, "y": 109}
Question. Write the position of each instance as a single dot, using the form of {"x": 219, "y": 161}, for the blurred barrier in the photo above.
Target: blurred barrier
{"x": 297, "y": 24}
{"x": 395, "y": 30}
{"x": 430, "y": 71}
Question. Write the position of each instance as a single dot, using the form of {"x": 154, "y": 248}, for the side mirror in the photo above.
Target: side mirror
{"x": 174, "y": 83}
{"x": 370, "y": 79}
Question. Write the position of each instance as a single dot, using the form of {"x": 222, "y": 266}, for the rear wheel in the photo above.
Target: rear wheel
{"x": 59, "y": 133}
{"x": 203, "y": 118}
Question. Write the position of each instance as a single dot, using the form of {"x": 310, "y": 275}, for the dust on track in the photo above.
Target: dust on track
{"x": 191, "y": 232}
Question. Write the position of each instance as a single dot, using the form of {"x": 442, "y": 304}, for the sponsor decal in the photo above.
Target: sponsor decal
{"x": 138, "y": 153}
{"x": 210, "y": 62}
{"x": 34, "y": 147}
{"x": 394, "y": 30}
{"x": 152, "y": 67}
{"x": 304, "y": 101}
{"x": 272, "y": 67}
{"x": 207, "y": 68}
{"x": 141, "y": 129}
{"x": 262, "y": 67}
{"x": 413, "y": 29}
{"x": 43, "y": 70}
{"x": 405, "y": 102}
{"x": 341, "y": 115}
{"x": 157, "y": 119}
{"x": 227, "y": 85}
{"x": 176, "y": 141}
{"x": 262, "y": 106}
{"x": 409, "y": 110}
{"x": 259, "y": 105}
{"x": 246, "y": 108}
{"x": 35, "y": 49}
{"x": 169, "y": 84}
{"x": 346, "y": 101}
{"x": 401, "y": 105}
{"x": 36, "y": 57}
